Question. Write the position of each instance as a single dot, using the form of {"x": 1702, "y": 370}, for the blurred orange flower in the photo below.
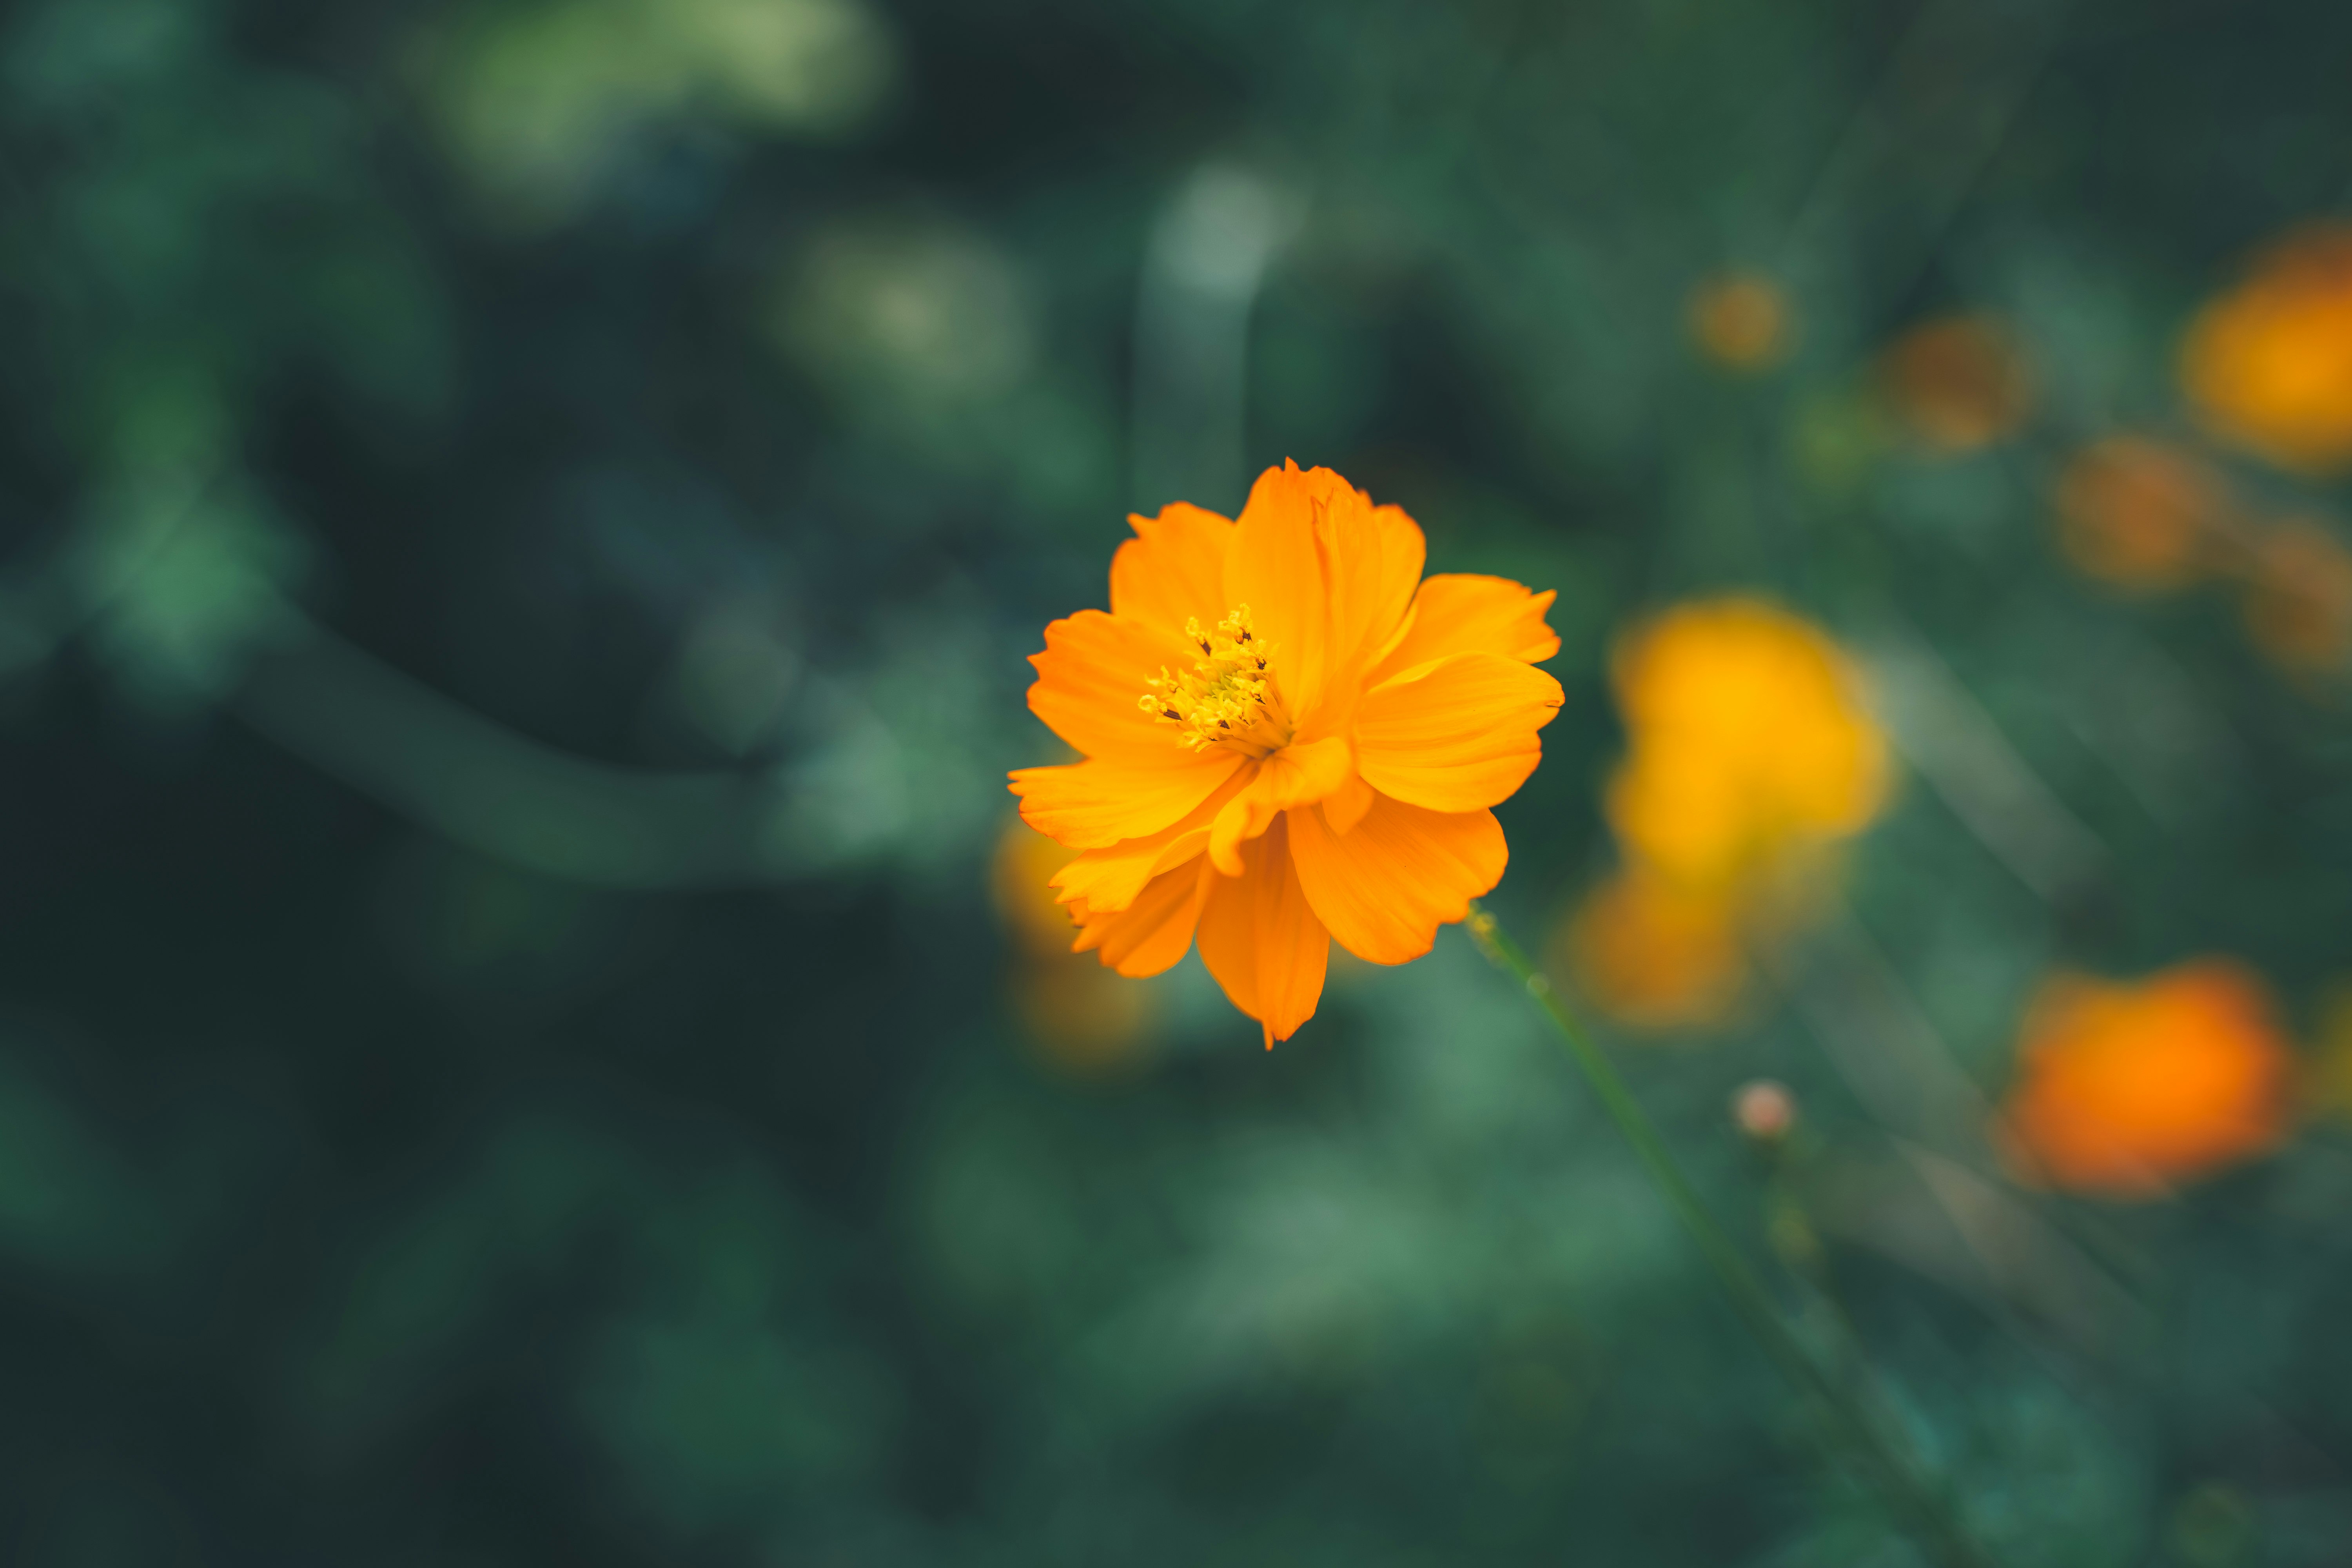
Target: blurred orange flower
{"x": 1656, "y": 955}
{"x": 1749, "y": 753}
{"x": 1289, "y": 737}
{"x": 2269, "y": 363}
{"x": 1747, "y": 737}
{"x": 1960, "y": 383}
{"x": 2124, "y": 1090}
{"x": 1740, "y": 322}
{"x": 2139, "y": 514}
{"x": 2298, "y": 602}
{"x": 1083, "y": 1017}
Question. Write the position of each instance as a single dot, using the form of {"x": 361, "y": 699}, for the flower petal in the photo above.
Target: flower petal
{"x": 1404, "y": 551}
{"x": 1093, "y": 804}
{"x": 1261, "y": 939}
{"x": 1373, "y": 557}
{"x": 1275, "y": 567}
{"x": 1384, "y": 889}
{"x": 1151, "y": 934}
{"x": 1090, "y": 686}
{"x": 1173, "y": 570}
{"x": 1460, "y": 612}
{"x": 1295, "y": 776}
{"x": 1345, "y": 806}
{"x": 1104, "y": 881}
{"x": 1456, "y": 735}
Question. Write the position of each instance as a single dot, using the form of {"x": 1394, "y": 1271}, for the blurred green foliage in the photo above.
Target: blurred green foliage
{"x": 523, "y": 520}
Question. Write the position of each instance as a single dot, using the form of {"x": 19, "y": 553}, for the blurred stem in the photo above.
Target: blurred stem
{"x": 1801, "y": 1256}
{"x": 1873, "y": 1453}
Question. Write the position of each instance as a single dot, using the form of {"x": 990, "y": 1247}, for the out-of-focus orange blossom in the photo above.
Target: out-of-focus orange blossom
{"x": 2269, "y": 363}
{"x": 1656, "y": 955}
{"x": 2125, "y": 1089}
{"x": 1750, "y": 755}
{"x": 1082, "y": 1016}
{"x": 1746, "y": 737}
{"x": 1740, "y": 322}
{"x": 2298, "y": 597}
{"x": 2138, "y": 513}
{"x": 1960, "y": 383}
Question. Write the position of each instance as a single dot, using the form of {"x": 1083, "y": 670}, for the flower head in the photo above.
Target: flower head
{"x": 1740, "y": 322}
{"x": 1749, "y": 739}
{"x": 2138, "y": 513}
{"x": 2298, "y": 599}
{"x": 1749, "y": 755}
{"x": 1764, "y": 1109}
{"x": 2124, "y": 1090}
{"x": 1657, "y": 954}
{"x": 1960, "y": 383}
{"x": 1289, "y": 736}
{"x": 2269, "y": 363}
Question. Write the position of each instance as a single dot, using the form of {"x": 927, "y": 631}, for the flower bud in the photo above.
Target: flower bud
{"x": 1765, "y": 1110}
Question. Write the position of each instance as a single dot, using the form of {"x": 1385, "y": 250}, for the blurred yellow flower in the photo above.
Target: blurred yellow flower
{"x": 1747, "y": 737}
{"x": 1749, "y": 753}
{"x": 1959, "y": 383}
{"x": 2127, "y": 1088}
{"x": 2139, "y": 514}
{"x": 2269, "y": 363}
{"x": 1656, "y": 954}
{"x": 2298, "y": 597}
{"x": 1082, "y": 1016}
{"x": 1740, "y": 322}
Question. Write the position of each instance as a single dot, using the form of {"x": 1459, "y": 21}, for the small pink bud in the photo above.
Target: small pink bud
{"x": 1765, "y": 1110}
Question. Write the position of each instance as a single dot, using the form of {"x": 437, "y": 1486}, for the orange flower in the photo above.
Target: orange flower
{"x": 2298, "y": 602}
{"x": 1749, "y": 739}
{"x": 1656, "y": 955}
{"x": 2269, "y": 364}
{"x": 1740, "y": 322}
{"x": 1961, "y": 384}
{"x": 1285, "y": 741}
{"x": 2127, "y": 1089}
{"x": 1750, "y": 755}
{"x": 2137, "y": 514}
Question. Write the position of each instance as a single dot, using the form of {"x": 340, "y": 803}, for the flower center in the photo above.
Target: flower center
{"x": 1227, "y": 698}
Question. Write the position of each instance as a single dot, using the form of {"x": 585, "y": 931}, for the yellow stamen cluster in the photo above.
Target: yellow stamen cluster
{"x": 1227, "y": 698}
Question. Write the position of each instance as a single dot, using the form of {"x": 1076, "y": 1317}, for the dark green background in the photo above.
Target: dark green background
{"x": 509, "y": 667}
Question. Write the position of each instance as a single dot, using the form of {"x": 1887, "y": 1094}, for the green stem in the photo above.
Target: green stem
{"x": 1873, "y": 1453}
